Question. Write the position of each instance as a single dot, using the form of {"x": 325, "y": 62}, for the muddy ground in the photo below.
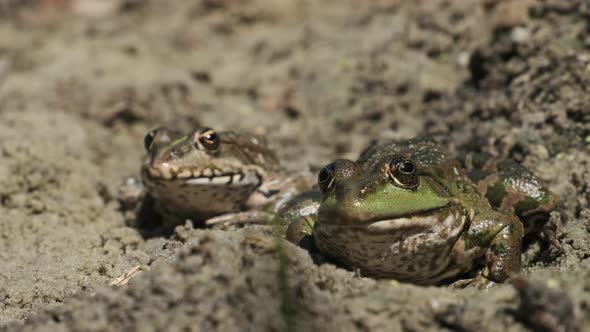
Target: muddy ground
{"x": 81, "y": 82}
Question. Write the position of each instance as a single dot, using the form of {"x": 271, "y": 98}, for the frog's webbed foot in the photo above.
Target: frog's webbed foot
{"x": 498, "y": 236}
{"x": 240, "y": 218}
{"x": 502, "y": 258}
{"x": 479, "y": 282}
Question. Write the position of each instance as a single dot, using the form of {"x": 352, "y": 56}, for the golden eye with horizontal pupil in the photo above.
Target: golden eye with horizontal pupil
{"x": 402, "y": 173}
{"x": 208, "y": 138}
{"x": 326, "y": 177}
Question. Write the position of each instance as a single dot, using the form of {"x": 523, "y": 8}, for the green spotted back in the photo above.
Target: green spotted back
{"x": 509, "y": 186}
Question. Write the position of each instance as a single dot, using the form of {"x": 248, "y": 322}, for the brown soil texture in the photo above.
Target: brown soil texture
{"x": 82, "y": 81}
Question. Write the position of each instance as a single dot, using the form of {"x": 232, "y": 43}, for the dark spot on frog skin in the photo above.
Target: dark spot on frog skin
{"x": 478, "y": 239}
{"x": 495, "y": 193}
{"x": 543, "y": 308}
{"x": 498, "y": 249}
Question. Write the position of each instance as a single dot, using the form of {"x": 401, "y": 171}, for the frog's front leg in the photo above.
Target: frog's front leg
{"x": 299, "y": 232}
{"x": 502, "y": 259}
{"x": 267, "y": 197}
{"x": 279, "y": 192}
{"x": 497, "y": 237}
{"x": 241, "y": 218}
{"x": 299, "y": 229}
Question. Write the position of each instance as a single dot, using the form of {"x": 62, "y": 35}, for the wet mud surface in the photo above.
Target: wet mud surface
{"x": 81, "y": 82}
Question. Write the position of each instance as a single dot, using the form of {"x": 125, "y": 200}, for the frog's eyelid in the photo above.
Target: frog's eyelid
{"x": 208, "y": 132}
{"x": 202, "y": 143}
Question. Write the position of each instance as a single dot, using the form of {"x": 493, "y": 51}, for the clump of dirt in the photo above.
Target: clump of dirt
{"x": 543, "y": 308}
{"x": 81, "y": 83}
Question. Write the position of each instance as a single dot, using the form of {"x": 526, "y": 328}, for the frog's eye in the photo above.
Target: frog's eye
{"x": 149, "y": 139}
{"x": 208, "y": 138}
{"x": 407, "y": 167}
{"x": 402, "y": 173}
{"x": 326, "y": 177}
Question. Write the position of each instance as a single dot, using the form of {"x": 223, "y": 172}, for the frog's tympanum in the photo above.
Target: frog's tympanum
{"x": 208, "y": 173}
{"x": 408, "y": 211}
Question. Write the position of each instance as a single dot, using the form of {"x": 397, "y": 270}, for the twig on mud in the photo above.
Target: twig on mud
{"x": 123, "y": 280}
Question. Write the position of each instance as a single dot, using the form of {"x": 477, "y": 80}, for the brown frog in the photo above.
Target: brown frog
{"x": 216, "y": 177}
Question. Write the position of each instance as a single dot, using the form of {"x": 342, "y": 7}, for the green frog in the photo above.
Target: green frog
{"x": 408, "y": 211}
{"x": 213, "y": 177}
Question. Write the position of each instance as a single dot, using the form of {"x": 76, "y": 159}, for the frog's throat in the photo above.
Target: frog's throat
{"x": 449, "y": 215}
{"x": 204, "y": 176}
{"x": 413, "y": 248}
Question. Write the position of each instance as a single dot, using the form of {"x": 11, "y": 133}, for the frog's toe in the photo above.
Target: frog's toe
{"x": 549, "y": 231}
{"x": 462, "y": 283}
{"x": 479, "y": 282}
{"x": 240, "y": 218}
{"x": 482, "y": 283}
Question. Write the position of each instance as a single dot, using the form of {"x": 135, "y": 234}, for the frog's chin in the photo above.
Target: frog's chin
{"x": 411, "y": 248}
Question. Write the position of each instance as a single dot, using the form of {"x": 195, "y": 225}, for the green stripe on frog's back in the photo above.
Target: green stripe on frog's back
{"x": 178, "y": 141}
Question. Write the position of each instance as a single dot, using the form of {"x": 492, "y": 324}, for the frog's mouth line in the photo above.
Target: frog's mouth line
{"x": 237, "y": 179}
{"x": 204, "y": 177}
{"x": 424, "y": 219}
{"x": 420, "y": 221}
